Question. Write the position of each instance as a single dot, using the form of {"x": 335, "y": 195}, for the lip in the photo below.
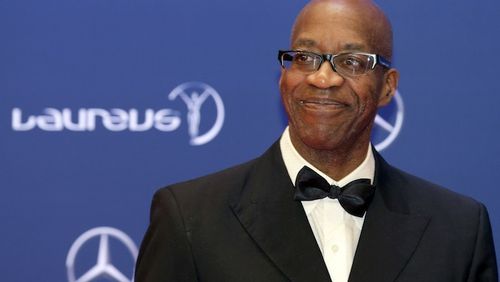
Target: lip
{"x": 323, "y": 103}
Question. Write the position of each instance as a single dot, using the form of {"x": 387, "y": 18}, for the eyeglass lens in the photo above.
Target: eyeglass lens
{"x": 351, "y": 64}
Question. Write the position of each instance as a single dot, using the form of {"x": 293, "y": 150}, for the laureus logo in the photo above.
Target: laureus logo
{"x": 204, "y": 122}
{"x": 194, "y": 95}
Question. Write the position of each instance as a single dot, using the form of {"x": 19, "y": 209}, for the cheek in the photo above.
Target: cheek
{"x": 288, "y": 83}
{"x": 367, "y": 95}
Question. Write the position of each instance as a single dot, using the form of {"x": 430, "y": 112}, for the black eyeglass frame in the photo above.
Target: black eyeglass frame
{"x": 377, "y": 59}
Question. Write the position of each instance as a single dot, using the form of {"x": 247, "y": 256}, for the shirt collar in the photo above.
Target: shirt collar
{"x": 294, "y": 162}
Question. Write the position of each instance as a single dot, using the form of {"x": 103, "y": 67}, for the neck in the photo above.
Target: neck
{"x": 336, "y": 162}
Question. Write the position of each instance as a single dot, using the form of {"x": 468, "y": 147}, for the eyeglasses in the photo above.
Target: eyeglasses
{"x": 346, "y": 64}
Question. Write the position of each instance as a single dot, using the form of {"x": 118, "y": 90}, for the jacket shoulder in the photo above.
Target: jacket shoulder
{"x": 225, "y": 178}
{"x": 430, "y": 198}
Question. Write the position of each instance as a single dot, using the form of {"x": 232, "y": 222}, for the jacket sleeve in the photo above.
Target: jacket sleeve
{"x": 484, "y": 265}
{"x": 165, "y": 253}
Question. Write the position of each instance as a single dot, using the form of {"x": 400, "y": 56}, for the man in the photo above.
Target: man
{"x": 277, "y": 218}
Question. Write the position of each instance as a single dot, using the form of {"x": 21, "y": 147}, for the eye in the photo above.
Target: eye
{"x": 354, "y": 62}
{"x": 303, "y": 58}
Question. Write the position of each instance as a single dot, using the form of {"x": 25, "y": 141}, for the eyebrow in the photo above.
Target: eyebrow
{"x": 305, "y": 42}
{"x": 309, "y": 43}
{"x": 354, "y": 47}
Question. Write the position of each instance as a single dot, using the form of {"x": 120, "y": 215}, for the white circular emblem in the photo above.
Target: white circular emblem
{"x": 104, "y": 266}
{"x": 194, "y": 94}
{"x": 388, "y": 123}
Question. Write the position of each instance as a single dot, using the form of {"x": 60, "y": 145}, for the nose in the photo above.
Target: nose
{"x": 325, "y": 77}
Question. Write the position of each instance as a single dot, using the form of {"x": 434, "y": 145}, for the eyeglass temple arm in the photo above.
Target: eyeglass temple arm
{"x": 383, "y": 62}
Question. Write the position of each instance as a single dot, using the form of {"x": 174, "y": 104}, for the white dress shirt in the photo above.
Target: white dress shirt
{"x": 336, "y": 231}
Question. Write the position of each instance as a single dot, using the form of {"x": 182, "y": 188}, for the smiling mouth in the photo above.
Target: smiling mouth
{"x": 323, "y": 103}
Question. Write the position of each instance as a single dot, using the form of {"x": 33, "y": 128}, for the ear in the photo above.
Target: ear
{"x": 391, "y": 80}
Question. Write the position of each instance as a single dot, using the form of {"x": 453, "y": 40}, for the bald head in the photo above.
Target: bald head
{"x": 362, "y": 16}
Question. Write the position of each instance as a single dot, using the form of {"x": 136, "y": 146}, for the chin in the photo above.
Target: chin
{"x": 330, "y": 138}
{"x": 322, "y": 144}
{"x": 320, "y": 139}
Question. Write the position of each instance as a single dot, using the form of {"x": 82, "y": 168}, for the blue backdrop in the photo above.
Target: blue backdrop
{"x": 97, "y": 113}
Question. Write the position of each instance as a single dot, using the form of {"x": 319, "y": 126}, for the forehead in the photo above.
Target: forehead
{"x": 329, "y": 28}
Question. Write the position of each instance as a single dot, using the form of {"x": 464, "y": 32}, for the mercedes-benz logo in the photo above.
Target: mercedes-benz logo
{"x": 194, "y": 94}
{"x": 103, "y": 266}
{"x": 388, "y": 123}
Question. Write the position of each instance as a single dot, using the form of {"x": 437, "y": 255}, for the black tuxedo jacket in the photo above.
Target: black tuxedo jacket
{"x": 242, "y": 224}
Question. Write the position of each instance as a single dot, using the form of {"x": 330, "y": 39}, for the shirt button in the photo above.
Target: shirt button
{"x": 335, "y": 248}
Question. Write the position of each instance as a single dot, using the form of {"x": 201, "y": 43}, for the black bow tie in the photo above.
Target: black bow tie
{"x": 353, "y": 197}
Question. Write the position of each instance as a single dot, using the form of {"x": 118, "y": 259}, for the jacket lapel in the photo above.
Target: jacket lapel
{"x": 277, "y": 223}
{"x": 390, "y": 232}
